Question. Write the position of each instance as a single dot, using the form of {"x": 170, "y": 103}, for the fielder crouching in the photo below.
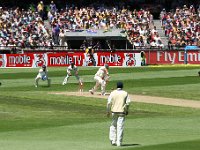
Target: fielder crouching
{"x": 73, "y": 68}
{"x": 42, "y": 74}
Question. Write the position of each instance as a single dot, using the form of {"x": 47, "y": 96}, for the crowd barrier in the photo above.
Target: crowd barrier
{"x": 125, "y": 58}
{"x": 65, "y": 59}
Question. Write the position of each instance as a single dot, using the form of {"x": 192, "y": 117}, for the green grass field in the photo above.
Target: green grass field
{"x": 33, "y": 119}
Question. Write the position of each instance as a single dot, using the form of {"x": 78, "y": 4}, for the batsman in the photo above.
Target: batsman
{"x": 101, "y": 78}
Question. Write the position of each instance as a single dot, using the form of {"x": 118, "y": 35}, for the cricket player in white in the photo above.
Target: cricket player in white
{"x": 101, "y": 78}
{"x": 118, "y": 105}
{"x": 70, "y": 69}
{"x": 42, "y": 74}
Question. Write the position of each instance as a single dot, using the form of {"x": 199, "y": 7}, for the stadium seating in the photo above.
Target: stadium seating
{"x": 182, "y": 26}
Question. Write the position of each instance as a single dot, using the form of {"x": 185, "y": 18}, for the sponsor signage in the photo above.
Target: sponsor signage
{"x": 173, "y": 57}
{"x": 65, "y": 59}
{"x": 2, "y": 60}
{"x": 19, "y": 60}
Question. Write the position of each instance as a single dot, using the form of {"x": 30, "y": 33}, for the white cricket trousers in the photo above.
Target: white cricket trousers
{"x": 67, "y": 77}
{"x": 117, "y": 128}
{"x": 39, "y": 77}
{"x": 99, "y": 81}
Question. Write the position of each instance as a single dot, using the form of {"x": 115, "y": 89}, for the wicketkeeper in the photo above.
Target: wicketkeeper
{"x": 70, "y": 69}
{"x": 101, "y": 78}
{"x": 42, "y": 74}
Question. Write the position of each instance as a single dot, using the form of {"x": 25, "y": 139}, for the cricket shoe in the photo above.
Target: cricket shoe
{"x": 119, "y": 144}
{"x": 113, "y": 143}
{"x": 103, "y": 93}
{"x": 91, "y": 92}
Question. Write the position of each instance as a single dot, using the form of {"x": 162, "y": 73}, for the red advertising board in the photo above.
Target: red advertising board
{"x": 83, "y": 59}
{"x": 64, "y": 59}
{"x": 173, "y": 57}
{"x": 112, "y": 59}
{"x": 19, "y": 60}
{"x": 118, "y": 59}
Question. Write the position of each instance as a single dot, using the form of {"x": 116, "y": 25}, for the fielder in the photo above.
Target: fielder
{"x": 70, "y": 69}
{"x": 118, "y": 105}
{"x": 42, "y": 74}
{"x": 101, "y": 78}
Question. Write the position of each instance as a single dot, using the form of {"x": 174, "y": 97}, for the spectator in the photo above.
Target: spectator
{"x": 55, "y": 34}
{"x": 40, "y": 9}
{"x": 62, "y": 38}
{"x": 53, "y": 8}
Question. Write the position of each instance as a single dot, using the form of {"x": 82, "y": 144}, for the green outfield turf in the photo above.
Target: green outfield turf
{"x": 33, "y": 119}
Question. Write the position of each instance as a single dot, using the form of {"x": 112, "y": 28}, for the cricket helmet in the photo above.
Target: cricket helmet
{"x": 106, "y": 66}
{"x": 72, "y": 63}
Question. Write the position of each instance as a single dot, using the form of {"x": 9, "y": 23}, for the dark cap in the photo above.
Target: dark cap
{"x": 119, "y": 85}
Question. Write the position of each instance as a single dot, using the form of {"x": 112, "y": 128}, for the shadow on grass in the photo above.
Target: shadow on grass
{"x": 129, "y": 145}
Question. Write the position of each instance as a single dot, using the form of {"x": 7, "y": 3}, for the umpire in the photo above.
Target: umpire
{"x": 117, "y": 105}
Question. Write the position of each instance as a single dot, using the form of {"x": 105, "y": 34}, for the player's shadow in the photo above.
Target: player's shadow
{"x": 130, "y": 145}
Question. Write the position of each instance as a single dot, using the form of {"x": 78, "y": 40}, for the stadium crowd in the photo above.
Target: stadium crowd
{"x": 182, "y": 27}
{"x": 27, "y": 28}
{"x": 137, "y": 25}
{"x": 19, "y": 27}
{"x": 22, "y": 28}
{"x": 142, "y": 33}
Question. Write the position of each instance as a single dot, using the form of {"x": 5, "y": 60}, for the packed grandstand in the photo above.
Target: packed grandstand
{"x": 101, "y": 27}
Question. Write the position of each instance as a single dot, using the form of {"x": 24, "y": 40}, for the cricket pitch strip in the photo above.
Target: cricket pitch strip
{"x": 140, "y": 98}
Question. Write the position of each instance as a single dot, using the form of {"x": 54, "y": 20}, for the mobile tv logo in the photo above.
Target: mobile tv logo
{"x": 65, "y": 60}
{"x": 2, "y": 60}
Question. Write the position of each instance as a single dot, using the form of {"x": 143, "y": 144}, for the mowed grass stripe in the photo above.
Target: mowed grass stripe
{"x": 59, "y": 72}
{"x": 185, "y": 87}
{"x": 56, "y": 82}
{"x": 51, "y": 105}
{"x": 185, "y": 145}
{"x": 184, "y": 91}
{"x": 89, "y": 78}
{"x": 114, "y": 69}
{"x": 138, "y": 133}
